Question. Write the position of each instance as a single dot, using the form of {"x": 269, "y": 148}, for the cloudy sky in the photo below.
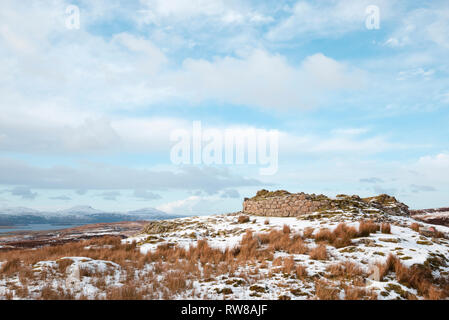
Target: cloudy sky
{"x": 86, "y": 113}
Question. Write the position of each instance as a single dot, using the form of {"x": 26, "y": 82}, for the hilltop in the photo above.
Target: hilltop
{"x": 352, "y": 248}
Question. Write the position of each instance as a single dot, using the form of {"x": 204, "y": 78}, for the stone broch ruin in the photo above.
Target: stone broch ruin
{"x": 285, "y": 204}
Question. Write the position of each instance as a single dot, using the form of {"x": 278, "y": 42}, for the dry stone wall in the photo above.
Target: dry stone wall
{"x": 284, "y": 204}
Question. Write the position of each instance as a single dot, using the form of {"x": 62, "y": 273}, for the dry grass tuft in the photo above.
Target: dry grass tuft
{"x": 415, "y": 226}
{"x": 289, "y": 265}
{"x": 325, "y": 235}
{"x": 418, "y": 277}
{"x": 339, "y": 238}
{"x": 126, "y": 292}
{"x": 357, "y": 293}
{"x": 243, "y": 219}
{"x": 367, "y": 227}
{"x": 301, "y": 271}
{"x": 318, "y": 253}
{"x": 10, "y": 267}
{"x": 63, "y": 264}
{"x": 435, "y": 294}
{"x": 326, "y": 291}
{"x": 308, "y": 233}
{"x": 385, "y": 228}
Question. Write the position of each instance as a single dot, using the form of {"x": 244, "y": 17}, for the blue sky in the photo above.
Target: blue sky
{"x": 86, "y": 114}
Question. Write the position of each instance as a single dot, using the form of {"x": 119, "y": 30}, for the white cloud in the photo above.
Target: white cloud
{"x": 419, "y": 73}
{"x": 230, "y": 193}
{"x": 444, "y": 97}
{"x": 433, "y": 168}
{"x": 100, "y": 176}
{"x": 152, "y": 57}
{"x": 184, "y": 206}
{"x": 327, "y": 18}
{"x": 195, "y": 205}
{"x": 62, "y": 198}
{"x": 69, "y": 80}
{"x": 349, "y": 143}
{"x": 350, "y": 131}
{"x": 224, "y": 11}
{"x": 145, "y": 195}
{"x": 110, "y": 195}
{"x": 23, "y": 192}
{"x": 407, "y": 179}
{"x": 422, "y": 26}
{"x": 262, "y": 79}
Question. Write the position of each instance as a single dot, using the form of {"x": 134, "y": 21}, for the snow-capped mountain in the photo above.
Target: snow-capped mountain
{"x": 80, "y": 210}
{"x": 18, "y": 211}
{"x": 78, "y": 214}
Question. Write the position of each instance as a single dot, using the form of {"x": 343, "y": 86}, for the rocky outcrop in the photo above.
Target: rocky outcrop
{"x": 282, "y": 203}
{"x": 161, "y": 227}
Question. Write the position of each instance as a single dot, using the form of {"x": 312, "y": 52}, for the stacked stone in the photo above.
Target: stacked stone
{"x": 272, "y": 204}
{"x": 286, "y": 206}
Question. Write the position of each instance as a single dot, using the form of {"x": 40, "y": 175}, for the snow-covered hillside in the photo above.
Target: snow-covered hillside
{"x": 411, "y": 247}
{"x": 324, "y": 255}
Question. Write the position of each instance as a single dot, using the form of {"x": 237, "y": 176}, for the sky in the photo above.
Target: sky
{"x": 93, "y": 91}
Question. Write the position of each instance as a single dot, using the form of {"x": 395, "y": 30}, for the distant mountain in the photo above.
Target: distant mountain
{"x": 439, "y": 216}
{"x": 147, "y": 212}
{"x": 18, "y": 211}
{"x": 80, "y": 210}
{"x": 76, "y": 215}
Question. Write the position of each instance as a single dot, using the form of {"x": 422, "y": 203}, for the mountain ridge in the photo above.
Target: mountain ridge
{"x": 82, "y": 214}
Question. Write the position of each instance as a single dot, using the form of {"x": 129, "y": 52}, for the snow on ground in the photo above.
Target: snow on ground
{"x": 78, "y": 277}
{"x": 253, "y": 281}
{"x": 223, "y": 231}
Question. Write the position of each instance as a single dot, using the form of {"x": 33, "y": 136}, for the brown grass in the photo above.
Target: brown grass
{"x": 11, "y": 266}
{"x": 357, "y": 293}
{"x": 26, "y": 275}
{"x": 385, "y": 228}
{"x": 367, "y": 227}
{"x": 63, "y": 264}
{"x": 415, "y": 226}
{"x": 243, "y": 219}
{"x": 435, "y": 294}
{"x": 289, "y": 265}
{"x": 346, "y": 269}
{"x": 118, "y": 253}
{"x": 326, "y": 291}
{"x": 281, "y": 241}
{"x": 318, "y": 253}
{"x": 418, "y": 277}
{"x": 439, "y": 234}
{"x": 308, "y": 233}
{"x": 175, "y": 281}
{"x": 339, "y": 238}
{"x": 48, "y": 293}
{"x": 126, "y": 292}
{"x": 181, "y": 266}
{"x": 325, "y": 235}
